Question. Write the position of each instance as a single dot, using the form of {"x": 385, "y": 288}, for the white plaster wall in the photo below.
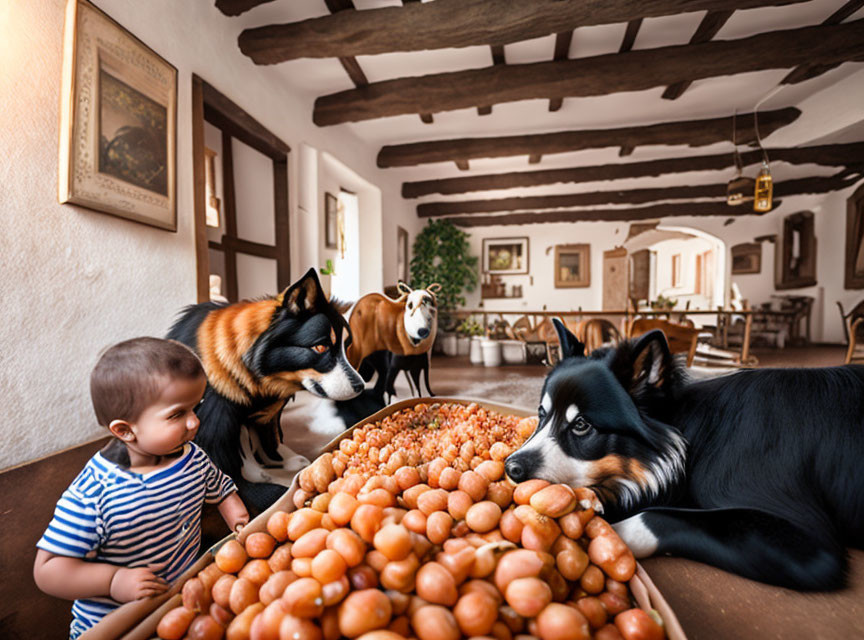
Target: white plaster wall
{"x": 75, "y": 280}
{"x": 253, "y": 184}
{"x": 538, "y": 287}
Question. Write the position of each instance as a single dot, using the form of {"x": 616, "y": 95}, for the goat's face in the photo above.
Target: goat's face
{"x": 420, "y": 316}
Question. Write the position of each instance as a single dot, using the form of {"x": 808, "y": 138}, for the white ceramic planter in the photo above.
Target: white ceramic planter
{"x": 491, "y": 353}
{"x": 463, "y": 345}
{"x": 475, "y": 353}
{"x": 513, "y": 351}
{"x": 449, "y": 344}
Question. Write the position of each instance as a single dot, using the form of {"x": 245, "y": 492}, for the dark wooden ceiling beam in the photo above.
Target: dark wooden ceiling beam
{"x": 612, "y": 215}
{"x": 445, "y": 24}
{"x": 707, "y": 29}
{"x": 630, "y": 35}
{"x": 836, "y": 155}
{"x": 633, "y": 196}
{"x": 598, "y": 75}
{"x": 807, "y": 71}
{"x": 236, "y": 7}
{"x": 349, "y": 63}
{"x": 563, "y": 40}
{"x": 694, "y": 133}
{"x": 497, "y": 58}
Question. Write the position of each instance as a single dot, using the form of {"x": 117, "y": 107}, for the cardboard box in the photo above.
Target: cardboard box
{"x": 138, "y": 620}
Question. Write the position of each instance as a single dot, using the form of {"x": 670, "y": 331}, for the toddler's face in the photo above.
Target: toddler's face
{"x": 170, "y": 422}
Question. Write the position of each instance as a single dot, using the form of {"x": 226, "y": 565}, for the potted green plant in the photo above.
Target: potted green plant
{"x": 662, "y": 303}
{"x": 469, "y": 333}
{"x": 442, "y": 255}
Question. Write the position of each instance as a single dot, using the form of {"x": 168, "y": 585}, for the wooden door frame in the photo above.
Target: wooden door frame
{"x": 209, "y": 105}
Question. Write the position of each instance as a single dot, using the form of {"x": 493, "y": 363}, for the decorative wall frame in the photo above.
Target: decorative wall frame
{"x": 505, "y": 256}
{"x": 796, "y": 257}
{"x": 572, "y": 265}
{"x": 746, "y": 258}
{"x": 118, "y": 121}
{"x": 854, "y": 276}
{"x": 331, "y": 221}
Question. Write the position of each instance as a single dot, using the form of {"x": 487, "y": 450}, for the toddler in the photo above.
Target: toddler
{"x": 130, "y": 523}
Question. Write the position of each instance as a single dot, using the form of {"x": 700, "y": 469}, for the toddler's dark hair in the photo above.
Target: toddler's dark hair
{"x": 130, "y": 376}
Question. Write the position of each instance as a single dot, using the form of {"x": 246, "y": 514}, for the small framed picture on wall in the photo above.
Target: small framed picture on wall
{"x": 331, "y": 221}
{"x": 746, "y": 258}
{"x": 572, "y": 265}
{"x": 505, "y": 255}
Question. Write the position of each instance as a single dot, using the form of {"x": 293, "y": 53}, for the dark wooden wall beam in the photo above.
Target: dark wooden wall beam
{"x": 807, "y": 71}
{"x": 632, "y": 196}
{"x": 598, "y": 75}
{"x": 611, "y": 215}
{"x": 707, "y": 29}
{"x": 229, "y": 116}
{"x": 836, "y": 155}
{"x": 445, "y": 24}
{"x": 694, "y": 133}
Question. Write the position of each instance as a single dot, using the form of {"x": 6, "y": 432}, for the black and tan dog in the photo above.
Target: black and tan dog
{"x": 257, "y": 354}
{"x": 758, "y": 472}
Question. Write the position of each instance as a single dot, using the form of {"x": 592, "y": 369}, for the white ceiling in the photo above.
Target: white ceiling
{"x": 707, "y": 98}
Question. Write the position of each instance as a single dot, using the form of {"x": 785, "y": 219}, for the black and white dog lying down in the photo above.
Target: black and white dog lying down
{"x": 760, "y": 472}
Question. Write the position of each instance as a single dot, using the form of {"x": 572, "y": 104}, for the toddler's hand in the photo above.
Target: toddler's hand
{"x": 134, "y": 584}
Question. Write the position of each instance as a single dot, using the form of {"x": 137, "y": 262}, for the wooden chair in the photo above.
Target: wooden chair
{"x": 856, "y": 334}
{"x": 853, "y": 327}
{"x": 681, "y": 339}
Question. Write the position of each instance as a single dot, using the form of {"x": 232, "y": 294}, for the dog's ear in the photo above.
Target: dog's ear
{"x": 652, "y": 361}
{"x": 570, "y": 345}
{"x": 303, "y": 295}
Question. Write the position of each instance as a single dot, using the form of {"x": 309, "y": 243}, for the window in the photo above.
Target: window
{"x": 705, "y": 273}
{"x": 676, "y": 270}
{"x": 213, "y": 205}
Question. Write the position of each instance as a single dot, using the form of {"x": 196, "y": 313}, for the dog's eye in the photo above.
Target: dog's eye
{"x": 581, "y": 426}
{"x": 320, "y": 348}
{"x": 541, "y": 413}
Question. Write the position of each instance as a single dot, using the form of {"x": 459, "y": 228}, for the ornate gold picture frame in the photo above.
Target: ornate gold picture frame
{"x": 118, "y": 121}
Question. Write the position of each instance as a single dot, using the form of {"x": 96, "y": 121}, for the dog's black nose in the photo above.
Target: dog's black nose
{"x": 423, "y": 332}
{"x": 515, "y": 471}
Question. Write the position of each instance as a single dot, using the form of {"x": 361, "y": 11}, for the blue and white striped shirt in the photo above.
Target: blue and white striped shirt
{"x": 134, "y": 520}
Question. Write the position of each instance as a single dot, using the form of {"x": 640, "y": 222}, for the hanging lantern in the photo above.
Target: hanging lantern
{"x": 739, "y": 189}
{"x": 762, "y": 195}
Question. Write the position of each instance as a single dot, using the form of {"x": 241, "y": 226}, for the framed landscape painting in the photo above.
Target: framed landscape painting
{"x": 118, "y": 121}
{"x": 505, "y": 255}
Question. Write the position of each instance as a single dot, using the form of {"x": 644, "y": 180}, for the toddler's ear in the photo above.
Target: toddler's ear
{"x": 122, "y": 430}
